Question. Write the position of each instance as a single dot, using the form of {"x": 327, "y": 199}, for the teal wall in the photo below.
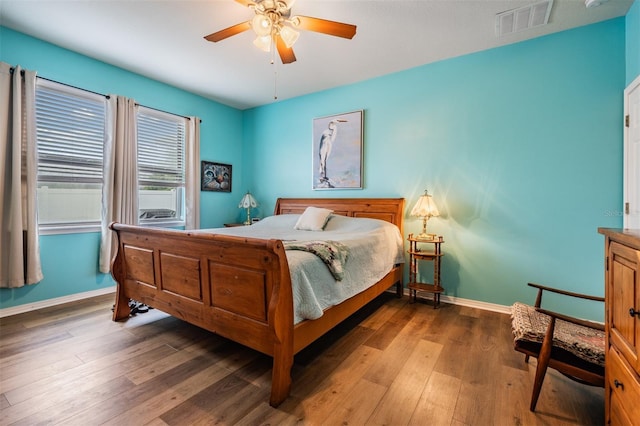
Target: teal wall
{"x": 521, "y": 147}
{"x": 633, "y": 41}
{"x": 70, "y": 262}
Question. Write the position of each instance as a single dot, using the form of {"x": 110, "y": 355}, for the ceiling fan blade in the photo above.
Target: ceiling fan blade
{"x": 286, "y": 53}
{"x": 324, "y": 26}
{"x": 228, "y": 32}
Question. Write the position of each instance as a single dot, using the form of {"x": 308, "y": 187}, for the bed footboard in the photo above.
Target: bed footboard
{"x": 239, "y": 288}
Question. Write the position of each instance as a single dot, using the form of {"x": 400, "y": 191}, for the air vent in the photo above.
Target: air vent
{"x": 523, "y": 18}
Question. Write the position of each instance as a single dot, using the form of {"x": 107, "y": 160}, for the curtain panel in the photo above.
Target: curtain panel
{"x": 120, "y": 188}
{"x": 19, "y": 245}
{"x": 192, "y": 172}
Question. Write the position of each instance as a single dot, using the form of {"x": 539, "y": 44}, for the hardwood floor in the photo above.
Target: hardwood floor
{"x": 393, "y": 363}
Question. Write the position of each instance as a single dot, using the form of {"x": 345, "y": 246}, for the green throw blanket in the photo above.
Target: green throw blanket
{"x": 332, "y": 253}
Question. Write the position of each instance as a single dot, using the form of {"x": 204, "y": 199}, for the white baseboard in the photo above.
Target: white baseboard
{"x": 28, "y": 307}
{"x": 472, "y": 303}
{"x": 476, "y": 304}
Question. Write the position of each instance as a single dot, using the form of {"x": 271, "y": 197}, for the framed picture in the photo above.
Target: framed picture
{"x": 337, "y": 151}
{"x": 215, "y": 177}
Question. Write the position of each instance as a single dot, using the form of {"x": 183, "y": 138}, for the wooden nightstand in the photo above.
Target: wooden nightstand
{"x": 429, "y": 250}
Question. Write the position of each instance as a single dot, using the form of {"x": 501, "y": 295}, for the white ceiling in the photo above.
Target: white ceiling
{"x": 163, "y": 39}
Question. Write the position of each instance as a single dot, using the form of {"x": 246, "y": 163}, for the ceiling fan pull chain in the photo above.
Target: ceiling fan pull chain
{"x": 275, "y": 81}
{"x": 272, "y": 48}
{"x": 275, "y": 66}
{"x": 275, "y": 85}
{"x": 273, "y": 63}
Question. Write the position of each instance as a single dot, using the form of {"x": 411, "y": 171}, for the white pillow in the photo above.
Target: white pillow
{"x": 313, "y": 219}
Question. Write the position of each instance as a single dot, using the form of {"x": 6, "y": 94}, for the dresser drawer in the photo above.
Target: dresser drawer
{"x": 617, "y": 414}
{"x": 624, "y": 386}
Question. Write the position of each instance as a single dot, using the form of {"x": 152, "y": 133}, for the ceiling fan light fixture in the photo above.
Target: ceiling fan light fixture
{"x": 261, "y": 25}
{"x": 289, "y": 36}
{"x": 263, "y": 43}
{"x": 277, "y": 31}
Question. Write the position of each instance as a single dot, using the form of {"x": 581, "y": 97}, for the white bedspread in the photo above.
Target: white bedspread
{"x": 375, "y": 246}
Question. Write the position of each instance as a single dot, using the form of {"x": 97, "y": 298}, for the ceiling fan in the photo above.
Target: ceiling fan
{"x": 274, "y": 25}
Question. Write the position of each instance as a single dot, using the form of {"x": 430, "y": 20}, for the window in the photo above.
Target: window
{"x": 70, "y": 132}
{"x": 161, "y": 167}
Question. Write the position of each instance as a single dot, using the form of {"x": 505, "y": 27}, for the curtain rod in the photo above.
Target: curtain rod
{"x": 166, "y": 112}
{"x": 64, "y": 84}
{"x": 100, "y": 94}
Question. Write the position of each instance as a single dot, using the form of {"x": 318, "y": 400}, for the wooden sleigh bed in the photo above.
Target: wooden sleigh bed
{"x": 237, "y": 287}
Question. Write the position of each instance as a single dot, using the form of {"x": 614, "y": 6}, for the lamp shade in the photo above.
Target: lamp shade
{"x": 289, "y": 36}
{"x": 261, "y": 24}
{"x": 425, "y": 207}
{"x": 263, "y": 43}
{"x": 247, "y": 201}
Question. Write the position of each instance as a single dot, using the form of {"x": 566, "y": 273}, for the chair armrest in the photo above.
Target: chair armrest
{"x": 578, "y": 321}
{"x": 562, "y": 292}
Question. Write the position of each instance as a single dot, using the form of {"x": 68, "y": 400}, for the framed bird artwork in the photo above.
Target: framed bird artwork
{"x": 337, "y": 151}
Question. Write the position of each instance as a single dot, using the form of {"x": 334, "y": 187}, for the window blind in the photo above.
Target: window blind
{"x": 161, "y": 147}
{"x": 70, "y": 132}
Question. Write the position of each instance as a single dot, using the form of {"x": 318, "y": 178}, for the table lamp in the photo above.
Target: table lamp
{"x": 246, "y": 203}
{"x": 425, "y": 208}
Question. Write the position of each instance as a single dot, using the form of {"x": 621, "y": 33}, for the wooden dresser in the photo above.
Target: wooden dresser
{"x": 622, "y": 316}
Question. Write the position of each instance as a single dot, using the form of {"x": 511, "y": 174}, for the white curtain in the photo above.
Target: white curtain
{"x": 120, "y": 189}
{"x": 192, "y": 172}
{"x": 19, "y": 244}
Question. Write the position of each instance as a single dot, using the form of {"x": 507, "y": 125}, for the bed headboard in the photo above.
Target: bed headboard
{"x": 388, "y": 209}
